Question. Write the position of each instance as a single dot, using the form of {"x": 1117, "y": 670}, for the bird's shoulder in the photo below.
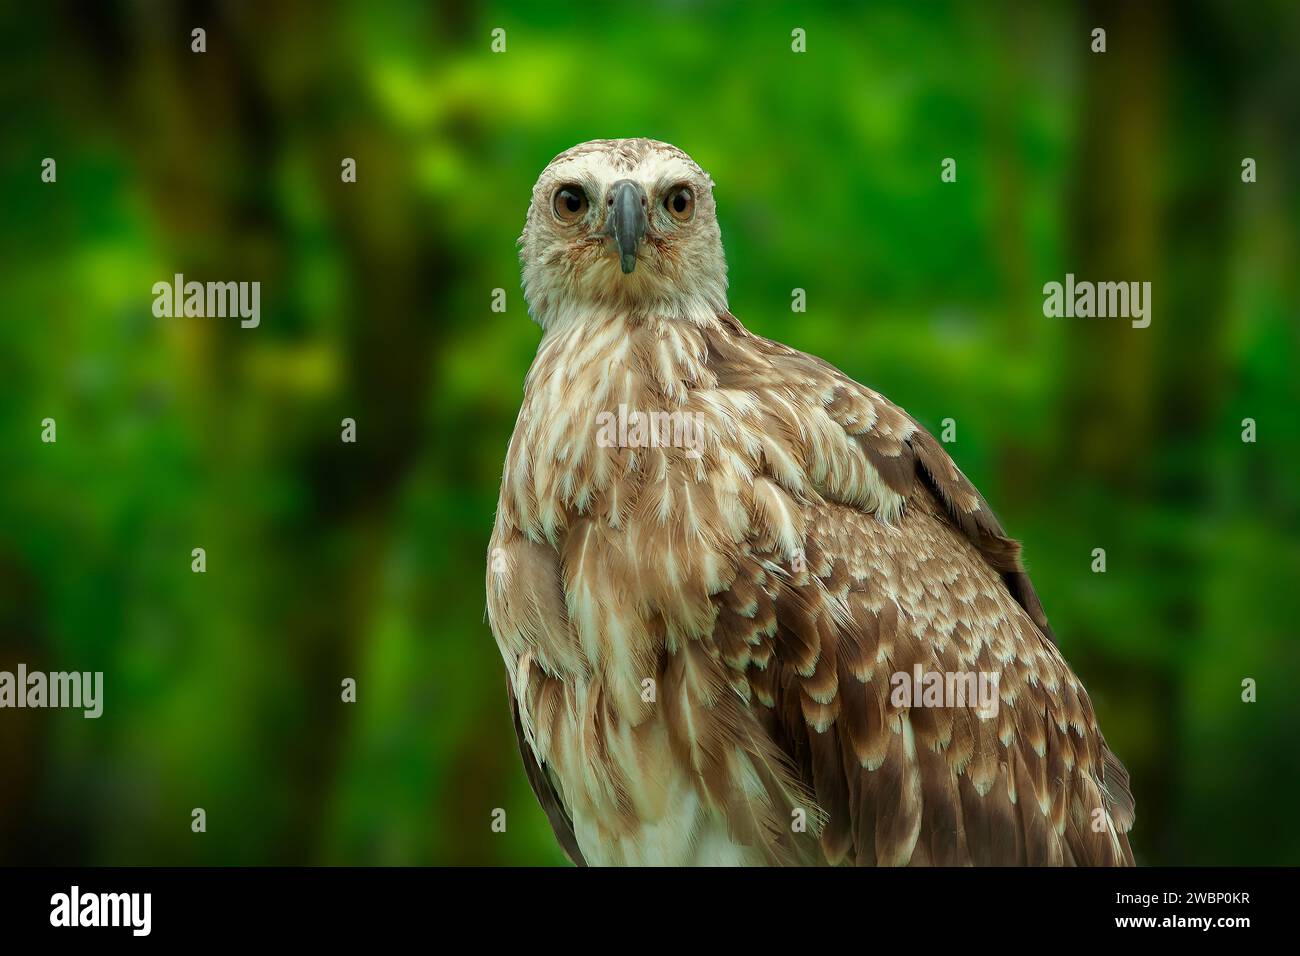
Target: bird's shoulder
{"x": 936, "y": 594}
{"x": 861, "y": 449}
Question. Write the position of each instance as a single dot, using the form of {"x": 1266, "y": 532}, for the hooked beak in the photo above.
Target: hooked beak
{"x": 626, "y": 221}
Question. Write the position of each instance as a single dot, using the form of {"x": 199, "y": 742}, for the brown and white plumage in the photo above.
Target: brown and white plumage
{"x": 700, "y": 641}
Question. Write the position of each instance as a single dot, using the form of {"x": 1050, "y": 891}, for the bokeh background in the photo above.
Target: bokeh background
{"x": 327, "y": 560}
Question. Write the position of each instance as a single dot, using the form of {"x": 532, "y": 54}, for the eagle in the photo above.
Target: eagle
{"x": 751, "y": 612}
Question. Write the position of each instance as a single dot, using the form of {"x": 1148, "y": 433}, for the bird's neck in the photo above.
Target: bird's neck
{"x": 577, "y": 435}
{"x": 603, "y": 354}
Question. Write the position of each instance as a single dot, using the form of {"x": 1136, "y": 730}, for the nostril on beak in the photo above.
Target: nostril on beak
{"x": 626, "y": 221}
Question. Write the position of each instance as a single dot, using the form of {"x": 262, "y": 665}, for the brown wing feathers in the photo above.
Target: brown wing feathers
{"x": 544, "y": 789}
{"x": 943, "y": 590}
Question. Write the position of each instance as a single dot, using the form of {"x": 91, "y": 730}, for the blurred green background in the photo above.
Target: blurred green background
{"x": 327, "y": 560}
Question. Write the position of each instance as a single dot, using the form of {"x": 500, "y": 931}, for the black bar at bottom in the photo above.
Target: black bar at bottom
{"x": 681, "y": 907}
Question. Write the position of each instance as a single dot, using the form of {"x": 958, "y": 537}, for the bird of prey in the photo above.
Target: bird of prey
{"x": 743, "y": 601}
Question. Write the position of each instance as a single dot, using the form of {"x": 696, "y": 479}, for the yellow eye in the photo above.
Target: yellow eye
{"x": 680, "y": 203}
{"x": 570, "y": 202}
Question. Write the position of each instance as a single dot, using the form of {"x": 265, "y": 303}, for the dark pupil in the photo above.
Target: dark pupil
{"x": 679, "y": 202}
{"x": 572, "y": 202}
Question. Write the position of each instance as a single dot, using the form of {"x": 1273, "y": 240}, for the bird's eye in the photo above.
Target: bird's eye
{"x": 680, "y": 203}
{"x": 570, "y": 203}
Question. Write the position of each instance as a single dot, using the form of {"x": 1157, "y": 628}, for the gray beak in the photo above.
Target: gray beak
{"x": 625, "y": 222}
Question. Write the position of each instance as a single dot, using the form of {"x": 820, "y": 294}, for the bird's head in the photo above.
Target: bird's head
{"x": 624, "y": 224}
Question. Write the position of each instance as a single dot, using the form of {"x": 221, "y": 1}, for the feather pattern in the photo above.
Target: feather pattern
{"x": 706, "y": 640}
